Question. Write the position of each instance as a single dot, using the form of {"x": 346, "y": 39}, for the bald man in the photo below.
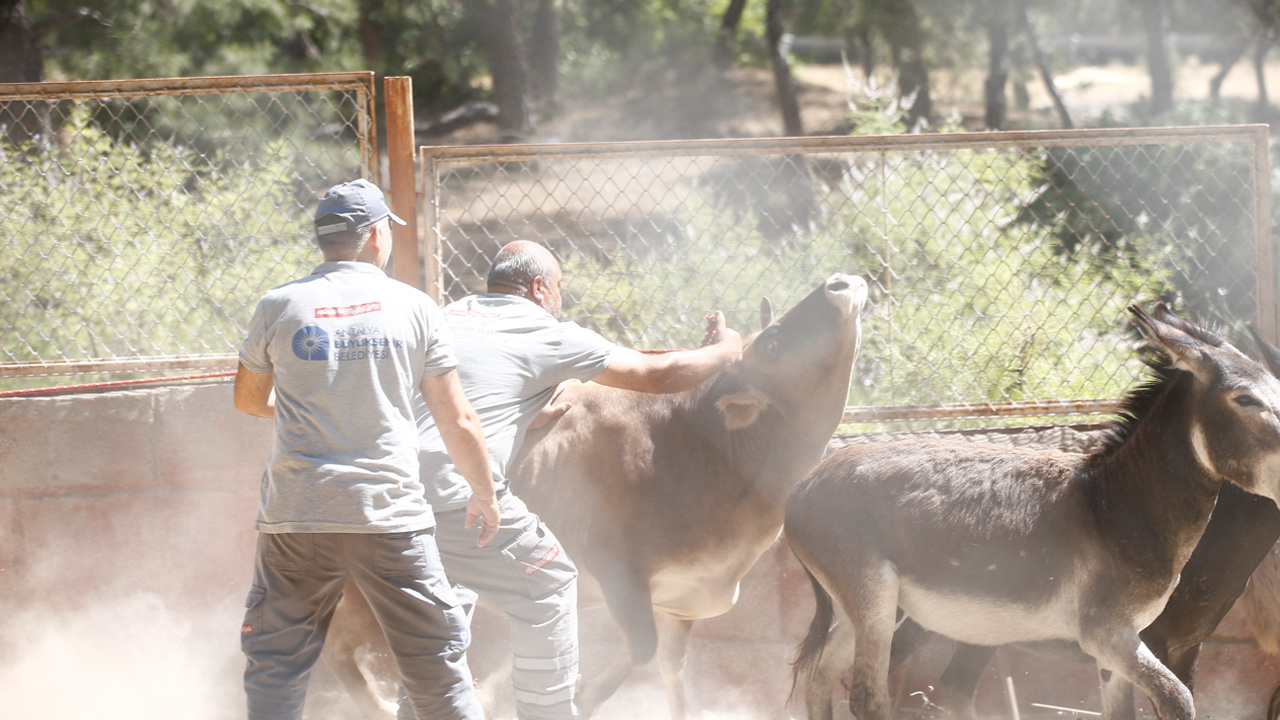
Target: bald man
{"x": 512, "y": 353}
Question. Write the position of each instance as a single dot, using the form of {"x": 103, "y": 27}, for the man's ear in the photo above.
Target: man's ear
{"x": 539, "y": 293}
{"x": 378, "y": 239}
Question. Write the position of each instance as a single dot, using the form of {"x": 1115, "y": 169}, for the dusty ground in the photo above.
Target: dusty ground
{"x": 741, "y": 103}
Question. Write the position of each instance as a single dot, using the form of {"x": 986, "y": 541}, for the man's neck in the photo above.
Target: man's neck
{"x": 508, "y": 289}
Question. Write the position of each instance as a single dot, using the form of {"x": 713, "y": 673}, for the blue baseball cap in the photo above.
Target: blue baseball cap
{"x": 350, "y": 206}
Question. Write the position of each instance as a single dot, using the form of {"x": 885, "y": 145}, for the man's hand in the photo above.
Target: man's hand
{"x": 718, "y": 332}
{"x": 549, "y": 413}
{"x": 486, "y": 511}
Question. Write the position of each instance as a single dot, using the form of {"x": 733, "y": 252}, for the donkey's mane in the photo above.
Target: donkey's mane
{"x": 1138, "y": 402}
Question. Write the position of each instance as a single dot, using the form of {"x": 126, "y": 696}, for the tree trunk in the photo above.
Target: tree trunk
{"x": 500, "y": 38}
{"x": 370, "y": 38}
{"x": 782, "y": 79}
{"x": 544, "y": 59}
{"x": 859, "y": 38}
{"x": 1215, "y": 83}
{"x": 21, "y": 61}
{"x": 726, "y": 41}
{"x": 998, "y": 72}
{"x": 906, "y": 38}
{"x": 1259, "y": 69}
{"x": 1029, "y": 29}
{"x": 1155, "y": 23}
{"x": 20, "y": 57}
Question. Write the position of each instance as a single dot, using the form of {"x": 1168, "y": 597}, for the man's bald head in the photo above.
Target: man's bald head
{"x": 529, "y": 270}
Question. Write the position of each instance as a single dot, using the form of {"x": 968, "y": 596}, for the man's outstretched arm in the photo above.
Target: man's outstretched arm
{"x": 674, "y": 371}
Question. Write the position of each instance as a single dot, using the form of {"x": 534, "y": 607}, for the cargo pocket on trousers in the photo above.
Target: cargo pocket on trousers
{"x": 543, "y": 562}
{"x": 253, "y": 613}
{"x": 433, "y": 577}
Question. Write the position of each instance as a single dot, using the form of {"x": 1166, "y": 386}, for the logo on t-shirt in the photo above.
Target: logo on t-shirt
{"x": 311, "y": 343}
{"x": 348, "y": 311}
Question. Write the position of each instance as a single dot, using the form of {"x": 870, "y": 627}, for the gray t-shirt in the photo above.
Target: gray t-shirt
{"x": 511, "y": 356}
{"x": 347, "y": 347}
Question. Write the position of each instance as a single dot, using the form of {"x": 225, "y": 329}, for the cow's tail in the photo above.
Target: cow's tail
{"x": 809, "y": 652}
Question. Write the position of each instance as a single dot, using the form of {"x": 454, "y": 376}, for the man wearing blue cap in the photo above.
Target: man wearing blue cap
{"x": 336, "y": 358}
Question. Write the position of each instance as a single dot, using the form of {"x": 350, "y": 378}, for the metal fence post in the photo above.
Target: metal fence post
{"x": 398, "y": 94}
{"x": 431, "y": 259}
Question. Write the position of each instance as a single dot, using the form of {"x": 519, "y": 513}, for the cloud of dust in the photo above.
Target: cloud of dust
{"x": 646, "y": 700}
{"x": 129, "y": 658}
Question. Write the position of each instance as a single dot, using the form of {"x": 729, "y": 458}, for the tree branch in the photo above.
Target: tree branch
{"x": 61, "y": 20}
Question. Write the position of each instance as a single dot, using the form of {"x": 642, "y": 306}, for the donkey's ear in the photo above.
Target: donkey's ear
{"x": 741, "y": 409}
{"x": 1270, "y": 353}
{"x": 766, "y": 313}
{"x": 1186, "y": 352}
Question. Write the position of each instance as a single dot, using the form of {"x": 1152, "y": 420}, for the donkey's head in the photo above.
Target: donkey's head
{"x": 1235, "y": 401}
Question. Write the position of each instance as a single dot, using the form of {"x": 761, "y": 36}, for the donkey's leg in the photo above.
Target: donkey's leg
{"x": 907, "y": 640}
{"x": 872, "y": 607}
{"x": 673, "y": 642}
{"x": 1182, "y": 661}
{"x": 626, "y": 593}
{"x": 837, "y": 655}
{"x": 1117, "y": 695}
{"x": 959, "y": 682}
{"x": 1119, "y": 651}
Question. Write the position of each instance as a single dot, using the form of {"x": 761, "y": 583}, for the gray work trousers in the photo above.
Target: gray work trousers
{"x": 524, "y": 572}
{"x": 298, "y": 580}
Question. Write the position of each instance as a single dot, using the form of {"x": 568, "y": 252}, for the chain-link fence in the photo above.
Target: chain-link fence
{"x": 1000, "y": 264}
{"x": 141, "y": 220}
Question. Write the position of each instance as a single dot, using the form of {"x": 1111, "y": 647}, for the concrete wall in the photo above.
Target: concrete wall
{"x": 126, "y": 549}
{"x": 126, "y": 552}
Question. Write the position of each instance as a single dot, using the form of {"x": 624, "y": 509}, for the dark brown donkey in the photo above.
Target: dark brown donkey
{"x": 1241, "y": 531}
{"x": 992, "y": 545}
{"x": 1240, "y": 534}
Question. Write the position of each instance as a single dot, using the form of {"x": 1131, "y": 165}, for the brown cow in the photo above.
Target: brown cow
{"x": 666, "y": 501}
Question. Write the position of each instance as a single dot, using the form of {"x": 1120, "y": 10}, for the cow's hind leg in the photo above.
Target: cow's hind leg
{"x": 673, "y": 643}
{"x": 627, "y": 596}
{"x": 353, "y": 627}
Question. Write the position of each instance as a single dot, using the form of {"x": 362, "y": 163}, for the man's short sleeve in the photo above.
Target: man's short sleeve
{"x": 440, "y": 355}
{"x": 253, "y": 351}
{"x": 584, "y": 353}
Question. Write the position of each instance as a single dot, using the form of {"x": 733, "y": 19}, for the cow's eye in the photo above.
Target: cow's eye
{"x": 1247, "y": 401}
{"x": 771, "y": 348}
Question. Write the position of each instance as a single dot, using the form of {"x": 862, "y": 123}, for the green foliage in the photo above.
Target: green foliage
{"x": 966, "y": 305}
{"x": 124, "y": 250}
{"x": 177, "y": 38}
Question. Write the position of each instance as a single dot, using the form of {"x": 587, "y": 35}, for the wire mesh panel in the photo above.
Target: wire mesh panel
{"x": 1000, "y": 264}
{"x": 141, "y": 220}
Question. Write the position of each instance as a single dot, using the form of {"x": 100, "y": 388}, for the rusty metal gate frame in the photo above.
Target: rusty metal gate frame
{"x": 361, "y": 84}
{"x": 433, "y": 158}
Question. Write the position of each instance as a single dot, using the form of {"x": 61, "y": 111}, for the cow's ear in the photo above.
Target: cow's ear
{"x": 742, "y": 409}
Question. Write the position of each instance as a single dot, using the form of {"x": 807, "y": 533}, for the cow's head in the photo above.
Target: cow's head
{"x": 801, "y": 364}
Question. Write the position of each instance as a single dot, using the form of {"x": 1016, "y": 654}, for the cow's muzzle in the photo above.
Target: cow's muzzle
{"x": 847, "y": 292}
